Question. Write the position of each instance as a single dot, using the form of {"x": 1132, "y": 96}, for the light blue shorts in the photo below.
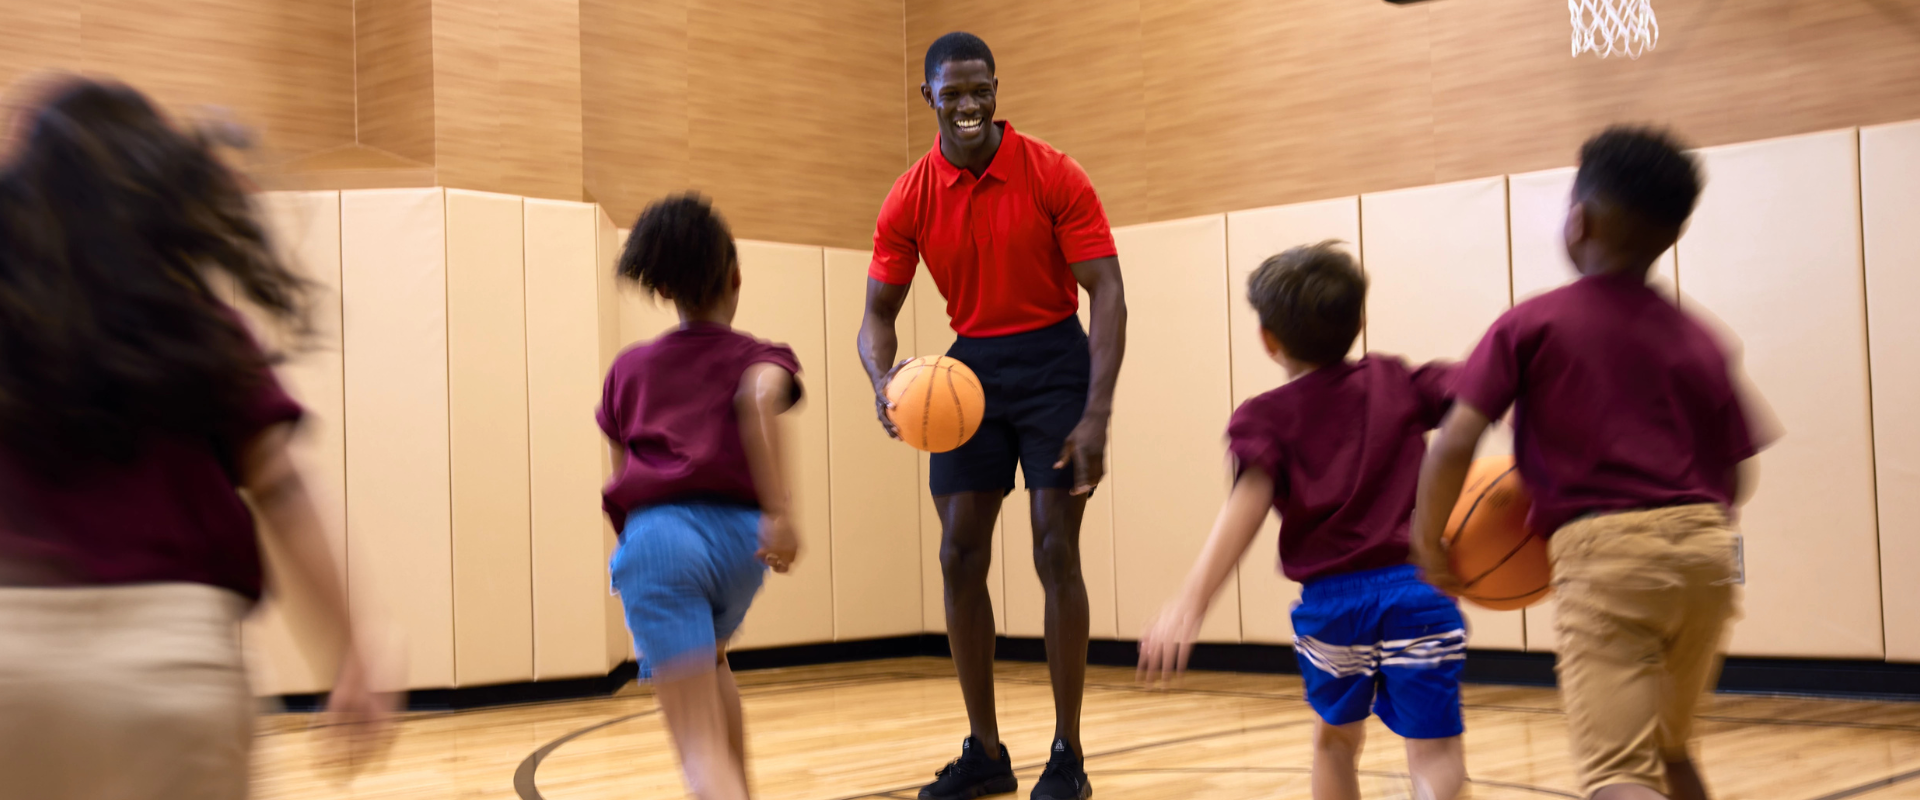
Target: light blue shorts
{"x": 686, "y": 574}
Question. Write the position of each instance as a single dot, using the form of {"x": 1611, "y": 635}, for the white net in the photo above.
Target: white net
{"x": 1613, "y": 27}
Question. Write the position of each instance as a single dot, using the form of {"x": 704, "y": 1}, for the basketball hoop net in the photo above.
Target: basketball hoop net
{"x": 1613, "y": 27}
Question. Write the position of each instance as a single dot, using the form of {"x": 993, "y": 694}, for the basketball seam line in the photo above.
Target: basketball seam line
{"x": 1462, "y": 530}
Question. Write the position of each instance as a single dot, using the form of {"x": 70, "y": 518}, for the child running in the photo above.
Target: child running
{"x": 1336, "y": 452}
{"x": 1629, "y": 432}
{"x": 698, "y": 492}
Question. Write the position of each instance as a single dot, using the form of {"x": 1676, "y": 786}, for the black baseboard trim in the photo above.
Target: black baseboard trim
{"x": 1810, "y": 677}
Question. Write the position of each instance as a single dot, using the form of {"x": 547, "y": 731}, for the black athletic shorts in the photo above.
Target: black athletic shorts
{"x": 1036, "y": 388}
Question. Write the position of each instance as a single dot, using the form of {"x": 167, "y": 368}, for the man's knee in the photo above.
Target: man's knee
{"x": 965, "y": 564}
{"x": 1057, "y": 559}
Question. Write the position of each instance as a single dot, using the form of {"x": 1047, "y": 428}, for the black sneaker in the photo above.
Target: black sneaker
{"x": 1065, "y": 777}
{"x": 972, "y": 775}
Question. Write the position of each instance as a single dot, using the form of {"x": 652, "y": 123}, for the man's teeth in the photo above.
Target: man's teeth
{"x": 970, "y": 123}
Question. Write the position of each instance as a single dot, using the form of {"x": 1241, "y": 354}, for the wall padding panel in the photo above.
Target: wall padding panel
{"x": 1537, "y": 204}
{"x": 609, "y": 239}
{"x": 1026, "y": 598}
{"x": 1176, "y": 392}
{"x": 783, "y": 299}
{"x": 306, "y": 227}
{"x": 565, "y": 446}
{"x": 487, "y": 412}
{"x": 393, "y": 273}
{"x": 874, "y": 481}
{"x": 1438, "y": 260}
{"x": 932, "y": 335}
{"x": 1890, "y": 195}
{"x": 1266, "y": 596}
{"x": 1774, "y": 254}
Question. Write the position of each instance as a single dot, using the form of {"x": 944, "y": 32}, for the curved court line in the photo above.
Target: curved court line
{"x": 524, "y": 783}
{"x": 524, "y": 775}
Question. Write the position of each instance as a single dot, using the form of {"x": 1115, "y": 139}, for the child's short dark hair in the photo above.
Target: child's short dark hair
{"x": 680, "y": 248}
{"x": 1644, "y": 171}
{"x": 1312, "y": 298}
{"x": 956, "y": 46}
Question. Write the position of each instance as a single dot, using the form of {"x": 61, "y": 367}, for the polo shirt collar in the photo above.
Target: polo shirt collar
{"x": 1001, "y": 168}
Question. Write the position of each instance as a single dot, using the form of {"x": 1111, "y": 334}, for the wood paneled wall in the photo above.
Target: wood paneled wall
{"x": 788, "y": 114}
{"x": 1177, "y": 110}
{"x": 286, "y": 67}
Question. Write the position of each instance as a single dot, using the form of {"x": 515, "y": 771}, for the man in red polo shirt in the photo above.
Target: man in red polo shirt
{"x": 1009, "y": 229}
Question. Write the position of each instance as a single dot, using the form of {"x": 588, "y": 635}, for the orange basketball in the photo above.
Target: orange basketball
{"x": 937, "y": 403}
{"x": 1503, "y": 564}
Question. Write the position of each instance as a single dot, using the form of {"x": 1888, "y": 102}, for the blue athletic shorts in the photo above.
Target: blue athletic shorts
{"x": 686, "y": 575}
{"x": 1387, "y": 640}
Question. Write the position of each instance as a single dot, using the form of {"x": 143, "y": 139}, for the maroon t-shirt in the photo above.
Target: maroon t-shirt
{"x": 171, "y": 514}
{"x": 1621, "y": 401}
{"x": 1343, "y": 444}
{"x": 669, "y": 402}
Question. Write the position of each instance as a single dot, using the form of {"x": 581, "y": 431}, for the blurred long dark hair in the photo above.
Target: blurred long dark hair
{"x": 113, "y": 226}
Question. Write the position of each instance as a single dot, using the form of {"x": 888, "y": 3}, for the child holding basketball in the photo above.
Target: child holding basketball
{"x": 698, "y": 492}
{"x": 1336, "y": 452}
{"x": 1630, "y": 434}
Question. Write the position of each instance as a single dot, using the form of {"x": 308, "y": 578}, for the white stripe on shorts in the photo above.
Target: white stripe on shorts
{"x": 1347, "y": 660}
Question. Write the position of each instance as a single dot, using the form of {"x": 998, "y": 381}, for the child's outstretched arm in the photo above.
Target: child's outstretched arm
{"x": 766, "y": 392}
{"x": 1441, "y": 477}
{"x": 1169, "y": 638}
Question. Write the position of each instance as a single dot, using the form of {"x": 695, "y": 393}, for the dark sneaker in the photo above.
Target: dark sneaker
{"x": 1065, "y": 777}
{"x": 973, "y": 774}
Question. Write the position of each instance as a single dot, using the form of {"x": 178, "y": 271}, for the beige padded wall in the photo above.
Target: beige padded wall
{"x": 609, "y": 239}
{"x": 1774, "y": 253}
{"x": 1266, "y": 596}
{"x": 932, "y": 335}
{"x": 394, "y": 291}
{"x": 487, "y": 412}
{"x": 1890, "y": 201}
{"x": 874, "y": 481}
{"x": 1170, "y": 414}
{"x": 783, "y": 299}
{"x": 1026, "y": 601}
{"x": 564, "y": 444}
{"x": 1438, "y": 260}
{"x": 280, "y": 635}
{"x": 1537, "y": 205}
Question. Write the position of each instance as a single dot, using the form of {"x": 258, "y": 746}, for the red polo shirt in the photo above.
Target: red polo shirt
{"x": 998, "y": 245}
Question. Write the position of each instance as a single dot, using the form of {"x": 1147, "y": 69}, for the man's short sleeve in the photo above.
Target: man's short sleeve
{"x": 1490, "y": 380}
{"x": 896, "y": 255}
{"x": 1079, "y": 221}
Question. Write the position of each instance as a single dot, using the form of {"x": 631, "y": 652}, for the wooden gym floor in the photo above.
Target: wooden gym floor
{"x": 879, "y": 729}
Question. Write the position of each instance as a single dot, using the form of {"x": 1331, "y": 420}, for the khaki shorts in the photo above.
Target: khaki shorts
{"x": 123, "y": 693}
{"x": 1644, "y": 601}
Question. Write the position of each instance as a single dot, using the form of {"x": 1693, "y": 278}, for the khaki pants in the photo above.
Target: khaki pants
{"x": 123, "y": 693}
{"x": 1644, "y": 601}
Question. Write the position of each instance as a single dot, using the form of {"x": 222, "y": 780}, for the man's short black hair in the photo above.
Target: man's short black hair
{"x": 1644, "y": 171}
{"x": 1312, "y": 298}
{"x": 957, "y": 46}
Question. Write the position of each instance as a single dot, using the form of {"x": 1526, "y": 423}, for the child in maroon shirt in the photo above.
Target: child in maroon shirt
{"x": 1337, "y": 453}
{"x": 1629, "y": 433}
{"x": 698, "y": 493}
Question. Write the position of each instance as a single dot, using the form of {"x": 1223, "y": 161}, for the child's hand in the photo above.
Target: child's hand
{"x": 779, "y": 542}
{"x": 1168, "y": 641}
{"x": 1436, "y": 570}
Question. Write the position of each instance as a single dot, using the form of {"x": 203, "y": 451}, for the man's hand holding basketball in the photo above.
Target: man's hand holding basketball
{"x": 881, "y": 405}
